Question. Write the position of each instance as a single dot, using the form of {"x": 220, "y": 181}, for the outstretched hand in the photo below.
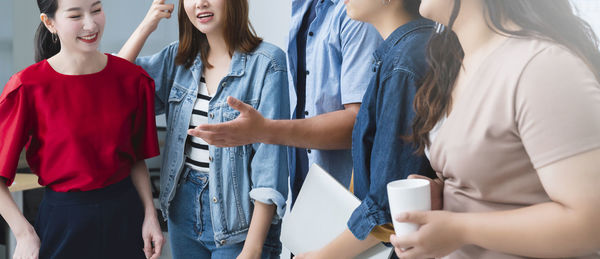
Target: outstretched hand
{"x": 247, "y": 128}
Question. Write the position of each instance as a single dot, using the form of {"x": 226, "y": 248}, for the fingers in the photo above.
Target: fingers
{"x": 147, "y": 246}
{"x": 417, "y": 217}
{"x": 410, "y": 253}
{"x": 158, "y": 245}
{"x": 238, "y": 105}
{"x": 212, "y": 138}
{"x": 418, "y": 176}
{"x": 402, "y": 244}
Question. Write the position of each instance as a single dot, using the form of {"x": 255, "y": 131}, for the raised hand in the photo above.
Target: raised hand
{"x": 158, "y": 10}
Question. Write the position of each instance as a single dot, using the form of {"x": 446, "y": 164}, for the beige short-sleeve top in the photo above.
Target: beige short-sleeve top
{"x": 531, "y": 103}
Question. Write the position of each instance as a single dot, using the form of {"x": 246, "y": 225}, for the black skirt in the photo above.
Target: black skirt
{"x": 102, "y": 223}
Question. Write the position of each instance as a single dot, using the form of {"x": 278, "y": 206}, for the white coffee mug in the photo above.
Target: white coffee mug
{"x": 408, "y": 195}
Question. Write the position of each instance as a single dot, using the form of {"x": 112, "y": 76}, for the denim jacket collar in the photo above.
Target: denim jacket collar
{"x": 398, "y": 35}
{"x": 238, "y": 64}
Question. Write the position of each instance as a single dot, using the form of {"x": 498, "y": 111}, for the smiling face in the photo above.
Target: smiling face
{"x": 78, "y": 23}
{"x": 208, "y": 16}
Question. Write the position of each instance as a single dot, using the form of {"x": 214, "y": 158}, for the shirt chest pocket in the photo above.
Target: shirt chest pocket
{"x": 176, "y": 97}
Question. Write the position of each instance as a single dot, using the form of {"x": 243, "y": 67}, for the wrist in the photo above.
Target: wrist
{"x": 460, "y": 221}
{"x": 252, "y": 250}
{"x": 145, "y": 29}
{"x": 24, "y": 231}
{"x": 267, "y": 132}
{"x": 150, "y": 212}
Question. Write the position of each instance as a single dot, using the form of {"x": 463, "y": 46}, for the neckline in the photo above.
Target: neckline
{"x": 447, "y": 118}
{"x": 108, "y": 61}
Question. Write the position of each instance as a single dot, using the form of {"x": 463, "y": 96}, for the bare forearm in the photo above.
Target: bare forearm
{"x": 11, "y": 213}
{"x": 346, "y": 245}
{"x": 531, "y": 231}
{"x": 131, "y": 49}
{"x": 141, "y": 181}
{"x": 259, "y": 227}
{"x": 326, "y": 131}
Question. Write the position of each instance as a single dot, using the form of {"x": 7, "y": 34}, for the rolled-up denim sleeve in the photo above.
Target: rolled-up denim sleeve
{"x": 269, "y": 165}
{"x": 161, "y": 67}
{"x": 390, "y": 157}
{"x": 358, "y": 42}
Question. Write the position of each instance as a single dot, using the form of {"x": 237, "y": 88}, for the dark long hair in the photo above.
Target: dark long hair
{"x": 45, "y": 47}
{"x": 548, "y": 20}
{"x": 239, "y": 34}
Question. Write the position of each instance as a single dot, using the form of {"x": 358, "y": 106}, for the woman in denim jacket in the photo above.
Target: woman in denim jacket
{"x": 379, "y": 153}
{"x": 219, "y": 202}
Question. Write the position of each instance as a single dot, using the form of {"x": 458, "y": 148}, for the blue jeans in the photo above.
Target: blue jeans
{"x": 190, "y": 225}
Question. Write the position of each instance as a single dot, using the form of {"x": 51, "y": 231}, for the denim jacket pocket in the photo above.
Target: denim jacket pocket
{"x": 176, "y": 95}
{"x": 230, "y": 114}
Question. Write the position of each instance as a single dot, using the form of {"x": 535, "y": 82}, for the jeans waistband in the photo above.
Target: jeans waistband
{"x": 113, "y": 191}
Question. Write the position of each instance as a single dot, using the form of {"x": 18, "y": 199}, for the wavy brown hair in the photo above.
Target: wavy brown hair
{"x": 548, "y": 20}
{"x": 239, "y": 34}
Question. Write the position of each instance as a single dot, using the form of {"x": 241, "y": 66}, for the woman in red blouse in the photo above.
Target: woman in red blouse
{"x": 87, "y": 121}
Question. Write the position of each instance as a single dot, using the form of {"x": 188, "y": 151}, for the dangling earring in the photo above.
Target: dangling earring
{"x": 386, "y": 2}
{"x": 54, "y": 38}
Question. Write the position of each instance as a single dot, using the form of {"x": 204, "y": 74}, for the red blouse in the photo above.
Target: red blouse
{"x": 82, "y": 132}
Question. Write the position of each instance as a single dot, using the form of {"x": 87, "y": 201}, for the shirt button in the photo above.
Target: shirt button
{"x": 307, "y": 72}
{"x": 224, "y": 84}
{"x": 215, "y": 199}
{"x": 310, "y": 33}
{"x": 222, "y": 242}
{"x": 212, "y": 115}
{"x": 308, "y": 150}
{"x": 210, "y": 158}
{"x": 306, "y": 113}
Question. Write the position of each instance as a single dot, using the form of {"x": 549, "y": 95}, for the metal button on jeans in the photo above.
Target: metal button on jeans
{"x": 215, "y": 199}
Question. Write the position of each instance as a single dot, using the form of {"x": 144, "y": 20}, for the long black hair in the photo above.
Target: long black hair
{"x": 45, "y": 45}
{"x": 548, "y": 20}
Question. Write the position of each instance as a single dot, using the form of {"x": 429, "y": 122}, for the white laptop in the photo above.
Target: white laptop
{"x": 320, "y": 214}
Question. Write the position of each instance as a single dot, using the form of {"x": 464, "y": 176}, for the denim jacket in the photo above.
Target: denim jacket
{"x": 238, "y": 175}
{"x": 379, "y": 153}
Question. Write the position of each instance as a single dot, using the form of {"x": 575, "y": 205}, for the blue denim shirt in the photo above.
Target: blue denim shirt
{"x": 338, "y": 55}
{"x": 238, "y": 175}
{"x": 379, "y": 152}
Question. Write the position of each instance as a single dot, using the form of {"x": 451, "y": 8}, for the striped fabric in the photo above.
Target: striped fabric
{"x": 196, "y": 149}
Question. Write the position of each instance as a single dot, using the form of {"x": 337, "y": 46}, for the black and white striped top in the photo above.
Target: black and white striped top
{"x": 196, "y": 149}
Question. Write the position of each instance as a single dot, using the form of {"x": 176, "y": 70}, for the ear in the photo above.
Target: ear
{"x": 49, "y": 23}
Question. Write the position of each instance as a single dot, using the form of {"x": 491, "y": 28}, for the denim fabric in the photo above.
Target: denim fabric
{"x": 338, "y": 55}
{"x": 239, "y": 175}
{"x": 385, "y": 116}
{"x": 190, "y": 225}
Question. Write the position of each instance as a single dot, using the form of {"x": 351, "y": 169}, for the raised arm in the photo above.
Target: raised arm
{"x": 134, "y": 44}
